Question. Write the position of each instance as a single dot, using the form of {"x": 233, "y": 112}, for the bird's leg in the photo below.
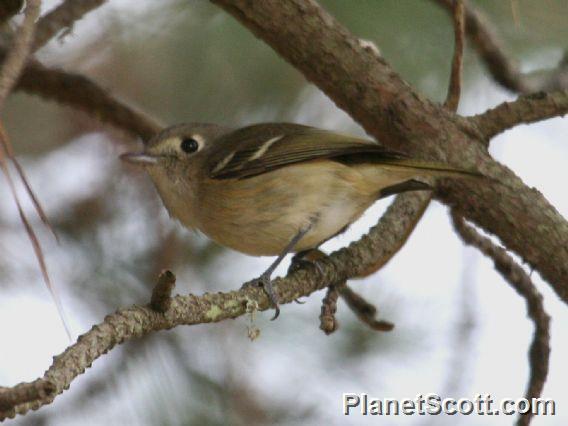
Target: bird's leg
{"x": 266, "y": 282}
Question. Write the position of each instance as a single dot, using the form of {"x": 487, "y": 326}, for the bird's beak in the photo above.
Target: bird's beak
{"x": 139, "y": 158}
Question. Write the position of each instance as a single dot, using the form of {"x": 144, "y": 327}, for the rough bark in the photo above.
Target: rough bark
{"x": 362, "y": 83}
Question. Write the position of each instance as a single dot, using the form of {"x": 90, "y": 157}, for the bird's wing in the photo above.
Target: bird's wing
{"x": 260, "y": 148}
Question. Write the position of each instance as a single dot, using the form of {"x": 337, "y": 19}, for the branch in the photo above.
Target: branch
{"x": 412, "y": 208}
{"x": 505, "y": 70}
{"x": 364, "y": 311}
{"x": 16, "y": 57}
{"x": 9, "y": 8}
{"x": 339, "y": 63}
{"x": 524, "y": 110}
{"x": 79, "y": 92}
{"x": 361, "y": 82}
{"x": 413, "y": 215}
{"x": 137, "y": 321}
{"x": 328, "y": 322}
{"x": 539, "y": 353}
{"x": 24, "y": 393}
{"x": 74, "y": 89}
{"x": 63, "y": 17}
{"x": 454, "y": 89}
{"x": 162, "y": 294}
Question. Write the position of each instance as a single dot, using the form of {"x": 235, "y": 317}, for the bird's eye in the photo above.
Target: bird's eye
{"x": 189, "y": 145}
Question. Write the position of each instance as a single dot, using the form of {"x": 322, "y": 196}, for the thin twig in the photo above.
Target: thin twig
{"x": 499, "y": 62}
{"x": 328, "y": 322}
{"x": 74, "y": 89}
{"x": 63, "y": 17}
{"x": 137, "y": 321}
{"x": 162, "y": 293}
{"x": 365, "y": 85}
{"x": 454, "y": 88}
{"x": 420, "y": 204}
{"x": 12, "y": 66}
{"x": 365, "y": 311}
{"x": 525, "y": 109}
{"x": 516, "y": 277}
{"x": 18, "y": 53}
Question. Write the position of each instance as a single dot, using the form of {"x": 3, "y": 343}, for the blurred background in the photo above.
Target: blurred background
{"x": 459, "y": 329}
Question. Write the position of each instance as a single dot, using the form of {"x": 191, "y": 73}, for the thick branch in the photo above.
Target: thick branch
{"x": 502, "y": 67}
{"x": 137, "y": 321}
{"x": 524, "y": 110}
{"x": 362, "y": 83}
{"x": 340, "y": 64}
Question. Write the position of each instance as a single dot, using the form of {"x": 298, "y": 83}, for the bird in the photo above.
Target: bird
{"x": 271, "y": 189}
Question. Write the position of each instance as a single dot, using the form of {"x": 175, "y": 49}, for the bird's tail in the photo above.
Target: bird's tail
{"x": 431, "y": 169}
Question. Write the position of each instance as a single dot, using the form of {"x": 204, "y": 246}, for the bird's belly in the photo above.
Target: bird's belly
{"x": 268, "y": 215}
{"x": 330, "y": 221}
{"x": 270, "y": 238}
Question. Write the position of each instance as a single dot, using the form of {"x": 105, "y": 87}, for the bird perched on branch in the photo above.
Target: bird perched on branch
{"x": 275, "y": 188}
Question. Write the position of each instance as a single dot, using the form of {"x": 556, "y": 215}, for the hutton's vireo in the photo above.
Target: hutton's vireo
{"x": 275, "y": 188}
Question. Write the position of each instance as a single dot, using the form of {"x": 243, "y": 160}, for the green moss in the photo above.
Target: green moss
{"x": 214, "y": 312}
{"x": 231, "y": 304}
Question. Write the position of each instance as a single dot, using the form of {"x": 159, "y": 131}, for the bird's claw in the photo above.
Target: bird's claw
{"x": 265, "y": 282}
{"x": 301, "y": 262}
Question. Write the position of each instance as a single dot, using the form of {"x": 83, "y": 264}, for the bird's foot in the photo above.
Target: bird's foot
{"x": 306, "y": 259}
{"x": 265, "y": 282}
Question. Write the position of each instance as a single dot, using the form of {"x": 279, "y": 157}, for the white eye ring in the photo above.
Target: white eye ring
{"x": 191, "y": 144}
{"x": 200, "y": 140}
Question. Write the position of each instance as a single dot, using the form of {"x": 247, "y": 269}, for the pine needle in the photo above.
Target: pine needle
{"x": 7, "y": 145}
{"x": 5, "y": 153}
